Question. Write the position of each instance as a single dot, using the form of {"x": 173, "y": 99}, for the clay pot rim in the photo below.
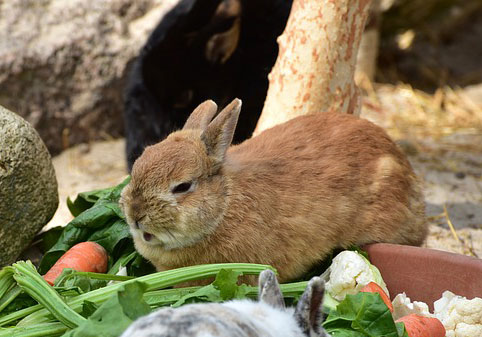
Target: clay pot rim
{"x": 425, "y": 273}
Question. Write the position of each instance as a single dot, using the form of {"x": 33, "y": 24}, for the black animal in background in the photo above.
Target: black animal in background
{"x": 202, "y": 49}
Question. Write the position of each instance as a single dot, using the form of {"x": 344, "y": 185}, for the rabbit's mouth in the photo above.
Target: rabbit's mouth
{"x": 167, "y": 238}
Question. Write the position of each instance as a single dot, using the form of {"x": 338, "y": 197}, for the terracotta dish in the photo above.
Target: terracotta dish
{"x": 424, "y": 274}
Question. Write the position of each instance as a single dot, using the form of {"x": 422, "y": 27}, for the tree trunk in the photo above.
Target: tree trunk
{"x": 366, "y": 63}
{"x": 316, "y": 61}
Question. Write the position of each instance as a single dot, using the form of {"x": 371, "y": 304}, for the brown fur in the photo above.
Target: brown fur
{"x": 286, "y": 197}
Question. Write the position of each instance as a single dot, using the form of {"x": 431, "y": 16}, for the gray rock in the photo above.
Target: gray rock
{"x": 28, "y": 186}
{"x": 63, "y": 63}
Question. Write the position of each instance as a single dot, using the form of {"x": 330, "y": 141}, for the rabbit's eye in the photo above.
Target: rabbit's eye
{"x": 183, "y": 187}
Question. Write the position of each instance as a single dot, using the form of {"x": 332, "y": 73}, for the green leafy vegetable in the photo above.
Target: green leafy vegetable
{"x": 86, "y": 200}
{"x": 226, "y": 283}
{"x": 114, "y": 315}
{"x": 363, "y": 314}
{"x": 223, "y": 288}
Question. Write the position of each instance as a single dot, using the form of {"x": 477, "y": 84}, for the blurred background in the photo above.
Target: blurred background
{"x": 64, "y": 67}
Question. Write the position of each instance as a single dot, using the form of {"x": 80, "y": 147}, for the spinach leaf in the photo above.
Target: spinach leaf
{"x": 112, "y": 237}
{"x": 363, "y": 314}
{"x": 102, "y": 206}
{"x": 114, "y": 315}
{"x": 97, "y": 216}
{"x": 86, "y": 200}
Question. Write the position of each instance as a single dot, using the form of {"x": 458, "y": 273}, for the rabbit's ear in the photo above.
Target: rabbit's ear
{"x": 308, "y": 311}
{"x": 201, "y": 116}
{"x": 219, "y": 133}
{"x": 269, "y": 291}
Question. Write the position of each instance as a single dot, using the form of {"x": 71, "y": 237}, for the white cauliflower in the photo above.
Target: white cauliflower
{"x": 403, "y": 306}
{"x": 122, "y": 272}
{"x": 349, "y": 272}
{"x": 461, "y": 317}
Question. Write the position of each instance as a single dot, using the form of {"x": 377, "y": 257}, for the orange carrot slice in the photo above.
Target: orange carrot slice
{"x": 372, "y": 287}
{"x": 85, "y": 256}
{"x": 420, "y": 326}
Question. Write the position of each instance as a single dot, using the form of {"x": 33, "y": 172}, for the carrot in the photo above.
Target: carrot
{"x": 420, "y": 326}
{"x": 372, "y": 287}
{"x": 85, "y": 256}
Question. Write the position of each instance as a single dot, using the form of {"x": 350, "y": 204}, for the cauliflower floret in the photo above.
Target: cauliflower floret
{"x": 349, "y": 272}
{"x": 122, "y": 272}
{"x": 402, "y": 306}
{"x": 461, "y": 317}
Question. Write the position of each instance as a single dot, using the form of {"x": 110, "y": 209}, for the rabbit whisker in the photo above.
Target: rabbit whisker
{"x": 172, "y": 236}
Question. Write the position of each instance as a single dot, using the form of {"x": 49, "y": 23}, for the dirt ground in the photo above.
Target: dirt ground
{"x": 450, "y": 164}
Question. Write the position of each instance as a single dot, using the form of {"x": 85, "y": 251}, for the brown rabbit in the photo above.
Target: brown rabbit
{"x": 286, "y": 197}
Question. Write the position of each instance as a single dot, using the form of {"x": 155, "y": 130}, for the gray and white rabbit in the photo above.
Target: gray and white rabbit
{"x": 240, "y": 318}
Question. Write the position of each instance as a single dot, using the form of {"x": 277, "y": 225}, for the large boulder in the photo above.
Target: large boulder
{"x": 63, "y": 63}
{"x": 28, "y": 187}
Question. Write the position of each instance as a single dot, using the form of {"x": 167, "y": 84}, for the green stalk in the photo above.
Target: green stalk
{"x": 15, "y": 316}
{"x": 7, "y": 298}
{"x": 6, "y": 280}
{"x": 293, "y": 290}
{"x": 94, "y": 276}
{"x": 121, "y": 262}
{"x": 33, "y": 284}
{"x": 153, "y": 281}
{"x": 160, "y": 298}
{"x": 40, "y": 330}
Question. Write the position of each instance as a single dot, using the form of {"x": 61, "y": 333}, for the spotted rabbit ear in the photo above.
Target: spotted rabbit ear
{"x": 201, "y": 116}
{"x": 269, "y": 291}
{"x": 219, "y": 133}
{"x": 308, "y": 313}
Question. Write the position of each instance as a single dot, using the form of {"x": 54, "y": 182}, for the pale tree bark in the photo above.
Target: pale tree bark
{"x": 316, "y": 61}
{"x": 366, "y": 63}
